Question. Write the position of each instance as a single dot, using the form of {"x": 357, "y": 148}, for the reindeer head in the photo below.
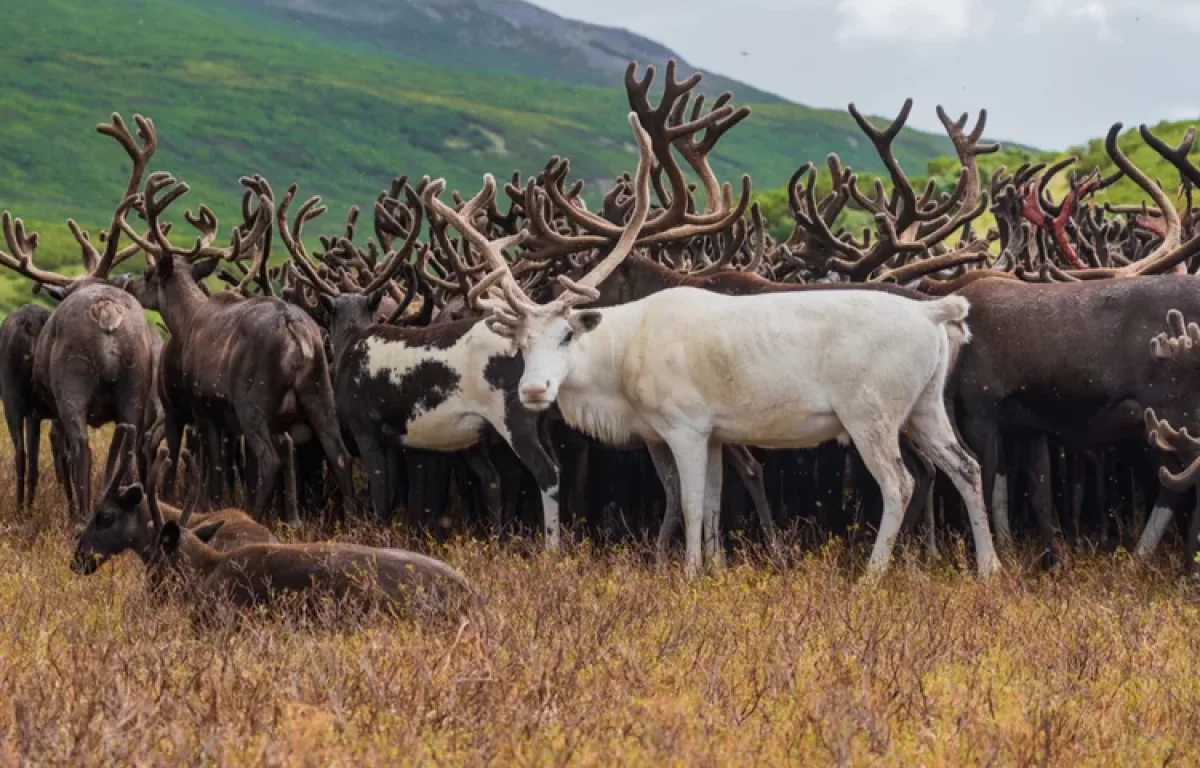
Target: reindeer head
{"x": 545, "y": 334}
{"x": 348, "y": 302}
{"x": 146, "y": 286}
{"x": 551, "y": 337}
{"x": 170, "y": 267}
{"x": 129, "y": 516}
{"x": 118, "y": 523}
{"x": 549, "y": 344}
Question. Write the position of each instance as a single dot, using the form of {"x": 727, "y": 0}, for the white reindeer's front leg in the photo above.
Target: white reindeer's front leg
{"x": 691, "y": 459}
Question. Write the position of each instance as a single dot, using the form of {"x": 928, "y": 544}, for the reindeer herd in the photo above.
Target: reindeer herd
{"x": 1037, "y": 377}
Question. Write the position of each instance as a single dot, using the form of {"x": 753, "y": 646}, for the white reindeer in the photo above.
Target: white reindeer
{"x": 694, "y": 370}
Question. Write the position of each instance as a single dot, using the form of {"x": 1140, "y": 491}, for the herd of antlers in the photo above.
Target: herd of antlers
{"x": 301, "y": 331}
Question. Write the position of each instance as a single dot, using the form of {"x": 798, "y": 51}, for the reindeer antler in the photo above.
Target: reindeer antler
{"x": 1181, "y": 345}
{"x": 1166, "y": 438}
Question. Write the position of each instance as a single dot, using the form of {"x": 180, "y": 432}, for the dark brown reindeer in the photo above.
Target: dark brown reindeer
{"x": 1089, "y": 383}
{"x": 18, "y": 337}
{"x": 92, "y": 363}
{"x": 129, "y": 516}
{"x": 253, "y": 365}
{"x": 351, "y": 575}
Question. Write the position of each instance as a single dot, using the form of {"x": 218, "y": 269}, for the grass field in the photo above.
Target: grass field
{"x": 601, "y": 658}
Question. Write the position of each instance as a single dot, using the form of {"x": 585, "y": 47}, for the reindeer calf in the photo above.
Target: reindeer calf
{"x": 351, "y": 575}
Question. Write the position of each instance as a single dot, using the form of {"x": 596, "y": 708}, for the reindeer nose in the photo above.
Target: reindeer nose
{"x": 535, "y": 391}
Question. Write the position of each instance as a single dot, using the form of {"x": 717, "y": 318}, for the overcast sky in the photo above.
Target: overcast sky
{"x": 1050, "y": 72}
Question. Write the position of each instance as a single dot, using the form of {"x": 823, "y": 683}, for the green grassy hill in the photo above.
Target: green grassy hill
{"x": 235, "y": 90}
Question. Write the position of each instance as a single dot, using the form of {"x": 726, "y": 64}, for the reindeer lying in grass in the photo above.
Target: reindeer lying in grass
{"x": 233, "y": 557}
{"x": 312, "y": 576}
{"x": 125, "y": 519}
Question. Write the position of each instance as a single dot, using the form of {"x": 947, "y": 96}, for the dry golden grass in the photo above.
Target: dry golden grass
{"x": 600, "y": 658}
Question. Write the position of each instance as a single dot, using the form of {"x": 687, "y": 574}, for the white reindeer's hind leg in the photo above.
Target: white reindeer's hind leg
{"x": 691, "y": 459}
{"x": 880, "y": 451}
{"x": 712, "y": 505}
{"x": 929, "y": 427}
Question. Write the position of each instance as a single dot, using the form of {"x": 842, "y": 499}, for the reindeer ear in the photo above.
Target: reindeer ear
{"x": 326, "y": 301}
{"x": 584, "y": 321}
{"x": 169, "y": 538}
{"x": 165, "y": 266}
{"x": 207, "y": 531}
{"x": 130, "y": 496}
{"x": 204, "y": 269}
{"x": 373, "y": 300}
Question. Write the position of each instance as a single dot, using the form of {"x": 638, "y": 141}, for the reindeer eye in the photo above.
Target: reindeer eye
{"x": 104, "y": 519}
{"x": 567, "y": 338}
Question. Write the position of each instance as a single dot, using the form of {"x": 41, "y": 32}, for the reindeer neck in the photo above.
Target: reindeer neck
{"x": 149, "y": 534}
{"x": 181, "y": 299}
{"x": 341, "y": 335}
{"x": 200, "y": 557}
{"x": 643, "y": 277}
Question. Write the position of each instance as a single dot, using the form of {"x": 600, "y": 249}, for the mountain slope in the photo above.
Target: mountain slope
{"x": 508, "y": 36}
{"x": 233, "y": 91}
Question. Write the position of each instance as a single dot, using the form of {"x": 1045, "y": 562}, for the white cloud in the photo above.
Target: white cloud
{"x": 910, "y": 20}
{"x": 1094, "y": 12}
{"x": 1104, "y": 14}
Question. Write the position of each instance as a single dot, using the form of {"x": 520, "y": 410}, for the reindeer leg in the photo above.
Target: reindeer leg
{"x": 881, "y": 456}
{"x": 529, "y": 449}
{"x": 480, "y": 463}
{"x": 214, "y": 464}
{"x": 267, "y": 463}
{"x": 711, "y": 533}
{"x": 375, "y": 463}
{"x": 924, "y": 474}
{"x": 291, "y": 509}
{"x": 931, "y": 543}
{"x": 1160, "y": 518}
{"x": 33, "y": 445}
{"x": 173, "y": 432}
{"x": 751, "y": 472}
{"x": 578, "y": 503}
{"x": 1037, "y": 469}
{"x": 321, "y": 413}
{"x": 16, "y": 431}
{"x": 414, "y": 463}
{"x": 984, "y": 438}
{"x": 61, "y": 454}
{"x": 690, "y": 451}
{"x": 668, "y": 475}
{"x": 80, "y": 460}
{"x": 397, "y": 479}
{"x": 232, "y": 466}
{"x": 930, "y": 429}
